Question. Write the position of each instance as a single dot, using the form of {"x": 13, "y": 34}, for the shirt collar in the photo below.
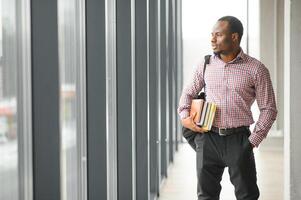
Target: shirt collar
{"x": 240, "y": 56}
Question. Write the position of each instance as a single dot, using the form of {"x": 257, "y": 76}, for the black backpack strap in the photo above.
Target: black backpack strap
{"x": 202, "y": 95}
{"x": 207, "y": 61}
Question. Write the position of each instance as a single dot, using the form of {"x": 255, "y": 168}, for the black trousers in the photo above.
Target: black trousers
{"x": 214, "y": 153}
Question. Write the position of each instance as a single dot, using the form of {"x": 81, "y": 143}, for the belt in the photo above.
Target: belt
{"x": 228, "y": 131}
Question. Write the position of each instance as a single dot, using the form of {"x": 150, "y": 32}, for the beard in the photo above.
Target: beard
{"x": 225, "y": 47}
{"x": 217, "y": 51}
{"x": 222, "y": 51}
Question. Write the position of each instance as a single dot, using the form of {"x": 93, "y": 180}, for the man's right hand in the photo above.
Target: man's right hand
{"x": 189, "y": 123}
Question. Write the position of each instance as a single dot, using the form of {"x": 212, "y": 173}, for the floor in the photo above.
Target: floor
{"x": 181, "y": 181}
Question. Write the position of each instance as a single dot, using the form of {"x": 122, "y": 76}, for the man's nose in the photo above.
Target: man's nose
{"x": 213, "y": 38}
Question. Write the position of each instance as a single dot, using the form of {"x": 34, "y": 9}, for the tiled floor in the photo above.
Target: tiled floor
{"x": 181, "y": 182}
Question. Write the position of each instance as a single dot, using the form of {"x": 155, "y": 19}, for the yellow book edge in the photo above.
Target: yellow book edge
{"x": 208, "y": 123}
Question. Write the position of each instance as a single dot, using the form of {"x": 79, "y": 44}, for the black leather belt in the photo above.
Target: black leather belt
{"x": 228, "y": 131}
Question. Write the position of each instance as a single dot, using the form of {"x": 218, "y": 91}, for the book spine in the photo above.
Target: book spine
{"x": 212, "y": 114}
{"x": 200, "y": 111}
{"x": 203, "y": 113}
{"x": 205, "y": 126}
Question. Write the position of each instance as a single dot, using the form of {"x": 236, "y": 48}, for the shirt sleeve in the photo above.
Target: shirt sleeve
{"x": 265, "y": 98}
{"x": 191, "y": 91}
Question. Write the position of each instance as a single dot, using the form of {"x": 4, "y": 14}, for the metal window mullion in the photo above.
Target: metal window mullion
{"x": 174, "y": 127}
{"x": 158, "y": 39}
{"x": 45, "y": 106}
{"x": 81, "y": 105}
{"x": 111, "y": 112}
{"x": 133, "y": 85}
{"x": 24, "y": 114}
{"x": 147, "y": 99}
{"x": 167, "y": 136}
{"x": 163, "y": 87}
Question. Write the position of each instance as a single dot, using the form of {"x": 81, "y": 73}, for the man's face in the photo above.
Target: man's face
{"x": 222, "y": 41}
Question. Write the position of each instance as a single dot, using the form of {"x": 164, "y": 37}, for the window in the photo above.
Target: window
{"x": 72, "y": 98}
{"x": 15, "y": 112}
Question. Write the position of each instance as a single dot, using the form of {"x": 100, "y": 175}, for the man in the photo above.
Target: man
{"x": 233, "y": 81}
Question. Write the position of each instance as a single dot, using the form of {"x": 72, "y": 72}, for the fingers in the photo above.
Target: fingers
{"x": 188, "y": 123}
{"x": 199, "y": 129}
{"x": 196, "y": 128}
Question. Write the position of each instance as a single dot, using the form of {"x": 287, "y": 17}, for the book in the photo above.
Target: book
{"x": 207, "y": 116}
{"x": 212, "y": 116}
{"x": 205, "y": 113}
{"x": 210, "y": 119}
{"x": 196, "y": 107}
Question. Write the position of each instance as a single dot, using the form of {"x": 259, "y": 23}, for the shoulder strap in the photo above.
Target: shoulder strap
{"x": 207, "y": 61}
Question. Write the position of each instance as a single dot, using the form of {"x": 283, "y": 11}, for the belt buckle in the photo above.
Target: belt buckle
{"x": 220, "y": 131}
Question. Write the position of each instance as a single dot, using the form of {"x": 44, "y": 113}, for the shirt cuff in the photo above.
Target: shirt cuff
{"x": 255, "y": 140}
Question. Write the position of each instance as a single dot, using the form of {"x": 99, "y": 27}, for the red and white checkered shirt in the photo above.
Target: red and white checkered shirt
{"x": 234, "y": 86}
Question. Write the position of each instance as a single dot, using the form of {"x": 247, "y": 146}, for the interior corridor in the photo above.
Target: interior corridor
{"x": 181, "y": 181}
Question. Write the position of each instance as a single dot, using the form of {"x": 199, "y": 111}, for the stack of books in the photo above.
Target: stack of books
{"x": 205, "y": 112}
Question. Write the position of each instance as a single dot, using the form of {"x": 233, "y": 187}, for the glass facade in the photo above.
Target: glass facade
{"x": 62, "y": 161}
{"x": 71, "y": 62}
{"x": 9, "y": 62}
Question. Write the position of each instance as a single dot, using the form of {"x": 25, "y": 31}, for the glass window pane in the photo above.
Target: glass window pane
{"x": 71, "y": 55}
{"x": 9, "y": 177}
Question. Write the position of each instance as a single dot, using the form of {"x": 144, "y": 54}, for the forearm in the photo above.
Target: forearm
{"x": 263, "y": 125}
{"x": 184, "y": 105}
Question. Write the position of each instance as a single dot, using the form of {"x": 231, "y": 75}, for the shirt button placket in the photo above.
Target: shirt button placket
{"x": 224, "y": 92}
{"x": 226, "y": 95}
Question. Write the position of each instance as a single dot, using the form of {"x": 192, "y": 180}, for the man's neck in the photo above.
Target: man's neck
{"x": 227, "y": 57}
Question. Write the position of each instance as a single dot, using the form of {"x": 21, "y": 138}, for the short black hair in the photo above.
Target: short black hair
{"x": 235, "y": 26}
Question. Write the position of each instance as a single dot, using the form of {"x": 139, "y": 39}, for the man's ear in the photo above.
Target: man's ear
{"x": 235, "y": 37}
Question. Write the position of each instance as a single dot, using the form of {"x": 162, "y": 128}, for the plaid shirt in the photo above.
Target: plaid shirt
{"x": 234, "y": 86}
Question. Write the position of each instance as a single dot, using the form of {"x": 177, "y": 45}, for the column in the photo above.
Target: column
{"x": 141, "y": 99}
{"x": 292, "y": 107}
{"x": 45, "y": 98}
{"x": 96, "y": 99}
